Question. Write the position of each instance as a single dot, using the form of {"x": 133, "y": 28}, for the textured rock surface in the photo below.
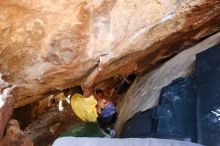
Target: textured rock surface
{"x": 48, "y": 126}
{"x": 47, "y": 45}
{"x": 144, "y": 92}
{"x": 6, "y": 107}
{"x": 43, "y": 121}
{"x": 14, "y": 136}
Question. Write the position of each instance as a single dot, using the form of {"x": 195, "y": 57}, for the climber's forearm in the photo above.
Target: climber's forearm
{"x": 91, "y": 78}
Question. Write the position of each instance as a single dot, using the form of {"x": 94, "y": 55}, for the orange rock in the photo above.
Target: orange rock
{"x": 14, "y": 136}
{"x": 47, "y": 45}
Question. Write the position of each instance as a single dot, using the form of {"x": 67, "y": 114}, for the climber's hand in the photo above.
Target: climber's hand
{"x": 103, "y": 61}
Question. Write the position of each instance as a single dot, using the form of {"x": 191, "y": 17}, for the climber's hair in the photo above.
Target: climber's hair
{"x": 106, "y": 97}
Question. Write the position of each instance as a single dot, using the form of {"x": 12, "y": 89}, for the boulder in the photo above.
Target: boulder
{"x": 145, "y": 91}
{"x": 47, "y": 45}
{"x": 6, "y": 107}
{"x": 15, "y": 137}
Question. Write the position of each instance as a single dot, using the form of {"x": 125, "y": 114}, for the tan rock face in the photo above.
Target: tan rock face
{"x": 14, "y": 136}
{"x": 47, "y": 45}
{"x": 6, "y": 107}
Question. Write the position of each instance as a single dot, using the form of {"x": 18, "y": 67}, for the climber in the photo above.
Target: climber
{"x": 84, "y": 106}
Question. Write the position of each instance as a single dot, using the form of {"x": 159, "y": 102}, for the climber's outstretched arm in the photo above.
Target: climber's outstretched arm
{"x": 87, "y": 86}
{"x": 92, "y": 78}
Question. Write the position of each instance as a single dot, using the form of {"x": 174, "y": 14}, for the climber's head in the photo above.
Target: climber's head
{"x": 88, "y": 91}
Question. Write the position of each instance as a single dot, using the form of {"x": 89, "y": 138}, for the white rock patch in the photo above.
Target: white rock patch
{"x": 2, "y": 102}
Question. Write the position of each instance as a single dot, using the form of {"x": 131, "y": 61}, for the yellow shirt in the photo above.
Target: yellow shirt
{"x": 84, "y": 108}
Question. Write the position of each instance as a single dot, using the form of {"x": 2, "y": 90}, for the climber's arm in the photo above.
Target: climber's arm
{"x": 92, "y": 78}
{"x": 87, "y": 86}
